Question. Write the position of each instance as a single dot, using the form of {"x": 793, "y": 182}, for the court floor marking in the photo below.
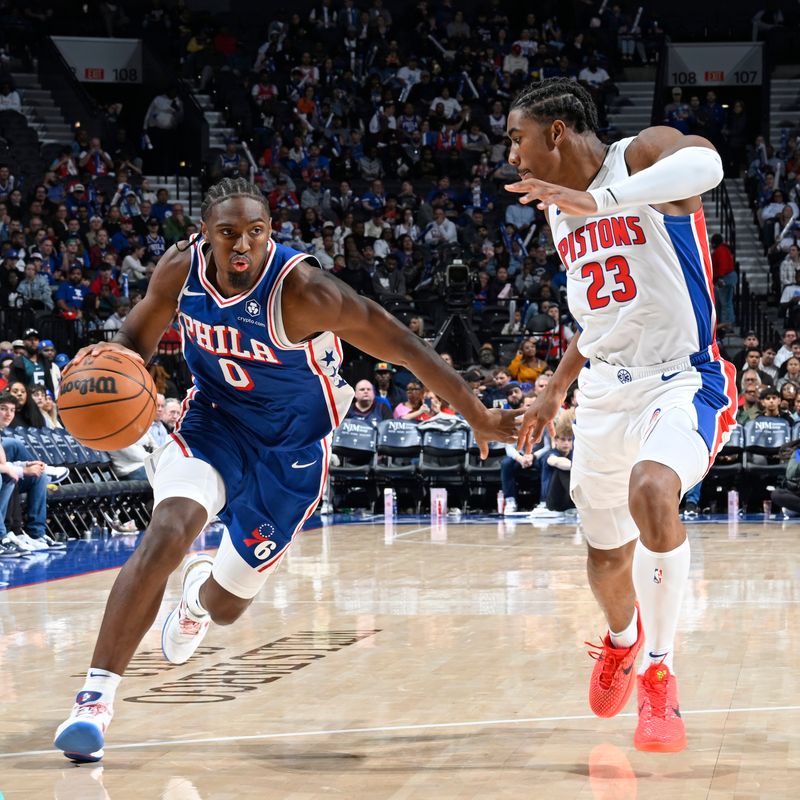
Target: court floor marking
{"x": 395, "y": 728}
{"x": 410, "y": 533}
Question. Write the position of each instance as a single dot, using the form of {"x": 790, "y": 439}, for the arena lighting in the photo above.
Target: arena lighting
{"x": 76, "y": 124}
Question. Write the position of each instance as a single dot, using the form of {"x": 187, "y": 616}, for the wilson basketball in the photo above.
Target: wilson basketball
{"x": 107, "y": 401}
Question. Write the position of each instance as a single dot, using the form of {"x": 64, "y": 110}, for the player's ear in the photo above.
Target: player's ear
{"x": 204, "y": 229}
{"x": 558, "y": 132}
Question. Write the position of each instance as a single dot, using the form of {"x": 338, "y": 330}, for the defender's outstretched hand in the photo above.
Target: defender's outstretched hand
{"x": 570, "y": 201}
{"x": 496, "y": 426}
{"x": 540, "y": 415}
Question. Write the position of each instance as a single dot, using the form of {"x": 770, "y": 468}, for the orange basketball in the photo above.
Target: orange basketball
{"x": 107, "y": 401}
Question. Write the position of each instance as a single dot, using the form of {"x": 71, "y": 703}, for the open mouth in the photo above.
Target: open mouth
{"x": 240, "y": 263}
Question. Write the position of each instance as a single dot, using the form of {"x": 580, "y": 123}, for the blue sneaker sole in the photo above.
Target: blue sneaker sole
{"x": 80, "y": 740}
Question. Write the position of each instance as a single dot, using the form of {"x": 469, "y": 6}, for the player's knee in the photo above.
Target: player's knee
{"x": 169, "y": 534}
{"x": 654, "y": 490}
{"x": 608, "y": 562}
{"x": 163, "y": 546}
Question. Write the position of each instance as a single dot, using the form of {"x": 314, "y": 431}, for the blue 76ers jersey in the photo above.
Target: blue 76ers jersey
{"x": 285, "y": 395}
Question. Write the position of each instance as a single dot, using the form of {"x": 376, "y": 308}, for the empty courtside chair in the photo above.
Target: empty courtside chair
{"x": 398, "y": 449}
{"x": 354, "y": 444}
{"x": 764, "y": 437}
{"x": 483, "y": 477}
{"x": 442, "y": 455}
{"x": 441, "y": 462}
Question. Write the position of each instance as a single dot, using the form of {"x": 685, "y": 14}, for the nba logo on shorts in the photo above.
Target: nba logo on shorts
{"x": 657, "y": 575}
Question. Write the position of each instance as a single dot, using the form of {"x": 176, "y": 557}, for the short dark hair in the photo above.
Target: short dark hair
{"x": 559, "y": 98}
{"x": 7, "y": 398}
{"x": 231, "y": 187}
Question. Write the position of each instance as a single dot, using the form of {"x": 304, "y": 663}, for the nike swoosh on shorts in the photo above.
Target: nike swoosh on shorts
{"x": 295, "y": 465}
{"x": 666, "y": 377}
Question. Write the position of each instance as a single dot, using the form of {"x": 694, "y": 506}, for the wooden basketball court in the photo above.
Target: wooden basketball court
{"x": 422, "y": 662}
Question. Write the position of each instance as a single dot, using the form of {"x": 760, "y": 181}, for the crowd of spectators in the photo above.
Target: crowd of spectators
{"x": 773, "y": 190}
{"x": 378, "y": 140}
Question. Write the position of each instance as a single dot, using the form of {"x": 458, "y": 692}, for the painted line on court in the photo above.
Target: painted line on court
{"x": 394, "y": 728}
{"x": 411, "y": 533}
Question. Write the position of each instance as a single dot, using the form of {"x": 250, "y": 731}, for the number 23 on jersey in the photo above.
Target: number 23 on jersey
{"x": 609, "y": 281}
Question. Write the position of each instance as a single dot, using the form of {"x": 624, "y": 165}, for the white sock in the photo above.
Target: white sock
{"x": 192, "y": 593}
{"x": 103, "y": 682}
{"x": 628, "y": 636}
{"x": 659, "y": 580}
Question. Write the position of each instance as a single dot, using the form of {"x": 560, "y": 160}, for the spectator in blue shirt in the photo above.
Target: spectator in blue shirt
{"x": 161, "y": 208}
{"x": 155, "y": 243}
{"x": 71, "y": 294}
{"x": 556, "y": 466}
{"x": 120, "y": 241}
{"x": 374, "y": 198}
{"x": 520, "y": 216}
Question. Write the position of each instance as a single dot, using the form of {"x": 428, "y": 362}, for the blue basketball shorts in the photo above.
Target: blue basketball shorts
{"x": 262, "y": 496}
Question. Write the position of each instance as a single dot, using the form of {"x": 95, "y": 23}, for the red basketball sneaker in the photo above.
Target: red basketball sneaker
{"x": 660, "y": 728}
{"x": 612, "y": 677}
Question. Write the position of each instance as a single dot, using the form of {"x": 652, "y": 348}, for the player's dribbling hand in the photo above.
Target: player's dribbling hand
{"x": 105, "y": 347}
{"x": 497, "y": 426}
{"x": 569, "y": 201}
{"x": 540, "y": 415}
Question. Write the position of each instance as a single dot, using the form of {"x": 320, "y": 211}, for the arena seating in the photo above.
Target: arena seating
{"x": 92, "y": 493}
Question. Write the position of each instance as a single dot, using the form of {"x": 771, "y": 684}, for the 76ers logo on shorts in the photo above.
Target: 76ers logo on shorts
{"x": 253, "y": 308}
{"x": 260, "y": 537}
{"x": 658, "y": 575}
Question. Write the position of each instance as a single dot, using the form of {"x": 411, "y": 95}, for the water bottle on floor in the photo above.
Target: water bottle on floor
{"x": 733, "y": 503}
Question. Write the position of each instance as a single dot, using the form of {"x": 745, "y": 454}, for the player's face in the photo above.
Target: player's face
{"x": 533, "y": 151}
{"x": 239, "y": 230}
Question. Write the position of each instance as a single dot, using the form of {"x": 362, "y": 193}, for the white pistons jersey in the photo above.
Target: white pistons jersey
{"x": 639, "y": 283}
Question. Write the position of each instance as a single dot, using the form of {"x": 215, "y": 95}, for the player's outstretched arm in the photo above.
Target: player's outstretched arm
{"x": 545, "y": 407}
{"x": 148, "y": 319}
{"x": 314, "y": 301}
{"x": 668, "y": 170}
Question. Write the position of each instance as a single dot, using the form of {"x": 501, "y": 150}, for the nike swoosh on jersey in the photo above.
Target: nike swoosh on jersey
{"x": 295, "y": 465}
{"x": 194, "y": 294}
{"x": 665, "y": 377}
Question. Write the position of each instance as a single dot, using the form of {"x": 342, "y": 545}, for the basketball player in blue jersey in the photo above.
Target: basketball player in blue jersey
{"x": 657, "y": 401}
{"x": 260, "y": 323}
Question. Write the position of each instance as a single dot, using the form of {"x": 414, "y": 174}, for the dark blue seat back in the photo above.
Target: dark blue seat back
{"x": 398, "y": 437}
{"x": 354, "y": 438}
{"x": 444, "y": 443}
{"x": 766, "y": 435}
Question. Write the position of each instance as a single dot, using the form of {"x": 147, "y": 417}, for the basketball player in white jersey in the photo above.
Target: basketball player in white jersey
{"x": 657, "y": 400}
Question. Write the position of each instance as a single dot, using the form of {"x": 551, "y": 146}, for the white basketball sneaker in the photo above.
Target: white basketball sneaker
{"x": 183, "y": 631}
{"x": 82, "y": 734}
